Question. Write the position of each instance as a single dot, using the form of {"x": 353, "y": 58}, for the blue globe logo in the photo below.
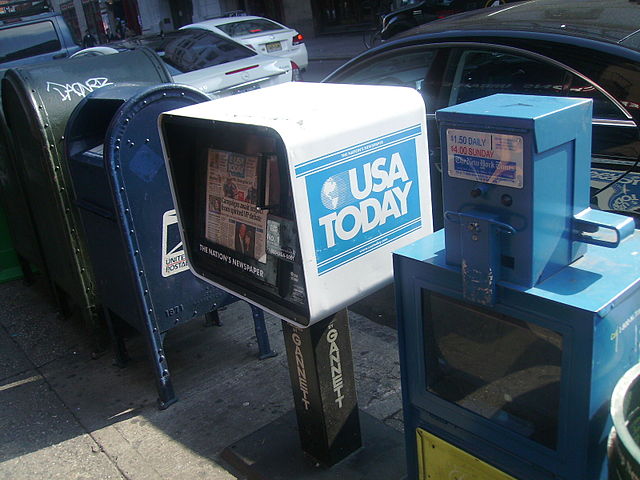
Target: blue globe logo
{"x": 335, "y": 191}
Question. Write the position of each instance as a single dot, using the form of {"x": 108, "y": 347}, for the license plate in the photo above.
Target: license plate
{"x": 247, "y": 88}
{"x": 273, "y": 47}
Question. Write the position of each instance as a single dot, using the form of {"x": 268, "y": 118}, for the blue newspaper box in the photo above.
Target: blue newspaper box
{"x": 122, "y": 192}
{"x": 516, "y": 319}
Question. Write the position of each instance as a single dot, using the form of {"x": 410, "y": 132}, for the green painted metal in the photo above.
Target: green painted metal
{"x": 9, "y": 265}
{"x": 19, "y": 222}
{"x": 37, "y": 102}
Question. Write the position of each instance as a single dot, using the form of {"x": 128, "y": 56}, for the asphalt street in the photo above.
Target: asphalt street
{"x": 319, "y": 69}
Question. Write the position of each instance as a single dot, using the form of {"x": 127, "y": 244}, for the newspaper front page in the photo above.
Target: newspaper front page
{"x": 232, "y": 219}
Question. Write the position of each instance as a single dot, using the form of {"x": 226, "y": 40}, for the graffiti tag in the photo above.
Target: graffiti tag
{"x": 77, "y": 88}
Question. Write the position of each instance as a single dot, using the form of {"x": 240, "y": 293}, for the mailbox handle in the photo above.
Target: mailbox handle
{"x": 590, "y": 221}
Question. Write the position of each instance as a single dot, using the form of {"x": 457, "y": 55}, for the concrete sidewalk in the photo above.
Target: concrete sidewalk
{"x": 66, "y": 416}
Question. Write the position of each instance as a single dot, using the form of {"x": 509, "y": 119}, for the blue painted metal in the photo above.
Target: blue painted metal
{"x": 511, "y": 336}
{"x": 592, "y": 304}
{"x": 547, "y": 200}
{"x": 122, "y": 191}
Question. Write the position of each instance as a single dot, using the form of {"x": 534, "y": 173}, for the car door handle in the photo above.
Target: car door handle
{"x": 59, "y": 55}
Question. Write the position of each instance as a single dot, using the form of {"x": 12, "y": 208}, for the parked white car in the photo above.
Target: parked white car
{"x": 212, "y": 63}
{"x": 261, "y": 34}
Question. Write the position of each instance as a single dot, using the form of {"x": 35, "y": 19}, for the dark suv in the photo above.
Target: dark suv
{"x": 29, "y": 36}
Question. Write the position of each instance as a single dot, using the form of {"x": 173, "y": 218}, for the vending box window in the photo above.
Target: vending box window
{"x": 294, "y": 197}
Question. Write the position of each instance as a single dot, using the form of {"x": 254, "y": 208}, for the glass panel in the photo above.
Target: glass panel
{"x": 193, "y": 50}
{"x": 483, "y": 73}
{"x": 249, "y": 27}
{"x": 28, "y": 41}
{"x": 480, "y": 73}
{"x": 501, "y": 368}
{"x": 398, "y": 69}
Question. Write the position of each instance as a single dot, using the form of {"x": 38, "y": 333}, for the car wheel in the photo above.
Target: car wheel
{"x": 494, "y": 3}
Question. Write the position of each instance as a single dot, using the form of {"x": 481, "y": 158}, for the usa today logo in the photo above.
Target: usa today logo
{"x": 362, "y": 197}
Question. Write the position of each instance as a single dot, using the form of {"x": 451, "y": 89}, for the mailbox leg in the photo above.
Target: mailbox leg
{"x": 321, "y": 370}
{"x": 164, "y": 384}
{"x": 212, "y": 319}
{"x": 262, "y": 335}
{"x": 119, "y": 345}
{"x": 27, "y": 271}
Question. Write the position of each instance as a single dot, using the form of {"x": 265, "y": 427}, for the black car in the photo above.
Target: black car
{"x": 577, "y": 48}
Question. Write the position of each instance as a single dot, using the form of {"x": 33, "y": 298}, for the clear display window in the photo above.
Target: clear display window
{"x": 501, "y": 368}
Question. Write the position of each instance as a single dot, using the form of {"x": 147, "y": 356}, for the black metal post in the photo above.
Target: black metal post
{"x": 321, "y": 370}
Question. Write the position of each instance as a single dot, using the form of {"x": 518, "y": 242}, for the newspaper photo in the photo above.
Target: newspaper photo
{"x": 232, "y": 219}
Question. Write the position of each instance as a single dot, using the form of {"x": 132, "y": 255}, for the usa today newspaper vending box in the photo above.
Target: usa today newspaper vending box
{"x": 294, "y": 197}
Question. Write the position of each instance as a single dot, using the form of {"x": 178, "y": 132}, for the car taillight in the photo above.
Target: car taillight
{"x": 298, "y": 39}
{"x": 296, "y": 75}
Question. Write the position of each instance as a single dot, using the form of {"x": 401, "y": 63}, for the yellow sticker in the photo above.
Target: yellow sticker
{"x": 439, "y": 460}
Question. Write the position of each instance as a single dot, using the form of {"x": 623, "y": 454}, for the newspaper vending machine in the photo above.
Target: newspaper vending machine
{"x": 294, "y": 197}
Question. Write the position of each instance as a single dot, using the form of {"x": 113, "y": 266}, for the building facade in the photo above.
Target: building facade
{"x": 110, "y": 19}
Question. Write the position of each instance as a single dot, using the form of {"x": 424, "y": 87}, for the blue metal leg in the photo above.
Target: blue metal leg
{"x": 262, "y": 335}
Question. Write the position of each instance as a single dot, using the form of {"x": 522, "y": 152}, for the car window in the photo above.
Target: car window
{"x": 195, "y": 50}
{"x": 249, "y": 27}
{"x": 617, "y": 75}
{"x": 396, "y": 69}
{"x": 479, "y": 73}
{"x": 28, "y": 40}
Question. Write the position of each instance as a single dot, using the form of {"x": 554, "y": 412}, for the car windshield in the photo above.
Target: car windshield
{"x": 249, "y": 27}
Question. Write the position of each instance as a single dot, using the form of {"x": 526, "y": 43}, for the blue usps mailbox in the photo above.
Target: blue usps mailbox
{"x": 122, "y": 191}
{"x": 512, "y": 333}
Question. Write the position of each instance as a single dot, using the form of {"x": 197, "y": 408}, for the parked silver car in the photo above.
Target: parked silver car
{"x": 261, "y": 34}
{"x": 209, "y": 62}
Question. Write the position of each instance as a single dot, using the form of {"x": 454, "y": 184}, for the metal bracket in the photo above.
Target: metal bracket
{"x": 480, "y": 255}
